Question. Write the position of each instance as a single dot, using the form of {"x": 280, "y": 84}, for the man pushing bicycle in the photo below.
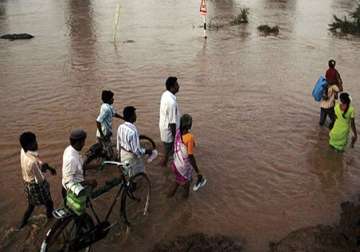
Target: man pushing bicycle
{"x": 128, "y": 144}
{"x": 72, "y": 169}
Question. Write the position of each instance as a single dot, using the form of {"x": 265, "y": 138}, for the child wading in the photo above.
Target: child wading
{"x": 327, "y": 103}
{"x": 344, "y": 120}
{"x": 184, "y": 160}
{"x": 104, "y": 122}
{"x": 37, "y": 189}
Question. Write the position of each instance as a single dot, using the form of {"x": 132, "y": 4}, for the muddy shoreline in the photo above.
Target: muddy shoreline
{"x": 340, "y": 237}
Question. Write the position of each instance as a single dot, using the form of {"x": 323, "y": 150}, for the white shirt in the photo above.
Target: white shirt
{"x": 128, "y": 139}
{"x": 30, "y": 166}
{"x": 169, "y": 114}
{"x": 107, "y": 112}
{"x": 72, "y": 168}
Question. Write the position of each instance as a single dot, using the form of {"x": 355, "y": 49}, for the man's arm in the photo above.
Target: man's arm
{"x": 118, "y": 116}
{"x": 45, "y": 166}
{"x": 98, "y": 125}
{"x": 339, "y": 81}
{"x": 36, "y": 171}
{"x": 172, "y": 127}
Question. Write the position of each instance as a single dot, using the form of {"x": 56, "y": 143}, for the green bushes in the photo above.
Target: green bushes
{"x": 347, "y": 25}
{"x": 242, "y": 18}
{"x": 268, "y": 29}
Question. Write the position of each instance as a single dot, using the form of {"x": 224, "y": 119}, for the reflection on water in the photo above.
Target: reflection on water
{"x": 82, "y": 37}
{"x": 268, "y": 164}
{"x": 3, "y": 17}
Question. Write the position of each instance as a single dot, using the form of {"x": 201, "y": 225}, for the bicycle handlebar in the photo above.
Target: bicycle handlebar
{"x": 118, "y": 164}
{"x": 112, "y": 162}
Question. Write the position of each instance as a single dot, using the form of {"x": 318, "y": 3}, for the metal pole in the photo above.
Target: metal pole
{"x": 204, "y": 18}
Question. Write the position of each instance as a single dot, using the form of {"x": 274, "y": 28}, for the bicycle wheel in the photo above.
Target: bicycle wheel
{"x": 146, "y": 142}
{"x": 66, "y": 235}
{"x": 94, "y": 152}
{"x": 136, "y": 199}
{"x": 100, "y": 152}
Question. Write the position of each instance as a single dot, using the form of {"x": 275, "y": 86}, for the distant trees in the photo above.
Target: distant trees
{"x": 350, "y": 25}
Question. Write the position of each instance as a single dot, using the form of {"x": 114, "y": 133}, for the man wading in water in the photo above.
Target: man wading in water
{"x": 37, "y": 189}
{"x": 169, "y": 117}
{"x": 128, "y": 143}
{"x": 104, "y": 125}
{"x": 72, "y": 167}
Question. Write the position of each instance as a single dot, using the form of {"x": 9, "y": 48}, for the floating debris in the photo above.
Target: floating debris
{"x": 16, "y": 36}
{"x": 129, "y": 41}
{"x": 267, "y": 30}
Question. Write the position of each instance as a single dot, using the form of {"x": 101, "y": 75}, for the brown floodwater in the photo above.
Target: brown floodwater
{"x": 267, "y": 161}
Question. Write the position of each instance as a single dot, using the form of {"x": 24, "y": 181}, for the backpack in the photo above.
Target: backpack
{"x": 320, "y": 89}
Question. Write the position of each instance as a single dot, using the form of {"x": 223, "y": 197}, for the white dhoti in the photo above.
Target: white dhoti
{"x": 132, "y": 163}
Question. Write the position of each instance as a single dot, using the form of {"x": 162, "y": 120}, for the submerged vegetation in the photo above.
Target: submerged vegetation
{"x": 267, "y": 30}
{"x": 349, "y": 25}
{"x": 218, "y": 22}
{"x": 242, "y": 18}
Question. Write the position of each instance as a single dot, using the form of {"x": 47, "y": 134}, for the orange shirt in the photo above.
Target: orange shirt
{"x": 188, "y": 140}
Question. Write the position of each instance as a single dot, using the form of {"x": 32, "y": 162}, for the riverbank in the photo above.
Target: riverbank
{"x": 340, "y": 237}
{"x": 343, "y": 236}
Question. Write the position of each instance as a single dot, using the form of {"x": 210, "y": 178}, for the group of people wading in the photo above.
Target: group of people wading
{"x": 175, "y": 134}
{"x": 341, "y": 112}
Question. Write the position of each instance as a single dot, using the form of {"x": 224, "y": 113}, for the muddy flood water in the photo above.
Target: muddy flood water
{"x": 269, "y": 168}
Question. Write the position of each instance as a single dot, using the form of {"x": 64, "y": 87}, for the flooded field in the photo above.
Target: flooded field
{"x": 267, "y": 161}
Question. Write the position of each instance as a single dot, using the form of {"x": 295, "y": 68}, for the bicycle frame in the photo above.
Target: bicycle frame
{"x": 110, "y": 184}
{"x": 88, "y": 231}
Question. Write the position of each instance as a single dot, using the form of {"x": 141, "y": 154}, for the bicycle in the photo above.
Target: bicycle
{"x": 74, "y": 232}
{"x": 106, "y": 150}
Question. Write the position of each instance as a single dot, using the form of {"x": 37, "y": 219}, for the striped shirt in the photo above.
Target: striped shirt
{"x": 128, "y": 139}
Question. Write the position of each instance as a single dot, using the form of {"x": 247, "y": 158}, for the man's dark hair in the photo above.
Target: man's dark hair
{"x": 128, "y": 112}
{"x": 77, "y": 135}
{"x": 75, "y": 141}
{"x": 106, "y": 95}
{"x": 332, "y": 63}
{"x": 170, "y": 82}
{"x": 27, "y": 139}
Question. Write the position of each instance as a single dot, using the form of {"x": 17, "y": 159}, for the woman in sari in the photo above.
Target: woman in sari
{"x": 184, "y": 160}
{"x": 345, "y": 120}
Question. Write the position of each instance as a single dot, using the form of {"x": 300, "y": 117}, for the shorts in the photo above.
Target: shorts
{"x": 38, "y": 194}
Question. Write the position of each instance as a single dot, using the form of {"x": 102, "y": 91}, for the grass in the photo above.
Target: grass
{"x": 241, "y": 18}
